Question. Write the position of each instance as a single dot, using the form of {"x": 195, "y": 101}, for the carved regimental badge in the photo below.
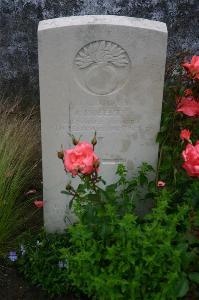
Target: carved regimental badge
{"x": 102, "y": 67}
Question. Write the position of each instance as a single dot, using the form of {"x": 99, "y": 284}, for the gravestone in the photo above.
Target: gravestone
{"x": 102, "y": 73}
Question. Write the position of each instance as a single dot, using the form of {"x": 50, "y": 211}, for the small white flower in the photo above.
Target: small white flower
{"x": 22, "y": 248}
{"x": 38, "y": 243}
{"x": 62, "y": 264}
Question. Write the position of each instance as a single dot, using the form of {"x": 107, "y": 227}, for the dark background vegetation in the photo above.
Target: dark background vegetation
{"x": 18, "y": 31}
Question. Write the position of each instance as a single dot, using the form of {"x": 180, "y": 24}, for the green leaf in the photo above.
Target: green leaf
{"x": 143, "y": 179}
{"x": 121, "y": 170}
{"x": 182, "y": 287}
{"x": 71, "y": 203}
{"x": 65, "y": 193}
{"x": 194, "y": 277}
{"x": 111, "y": 191}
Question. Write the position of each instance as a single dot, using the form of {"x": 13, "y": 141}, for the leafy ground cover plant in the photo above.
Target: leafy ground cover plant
{"x": 40, "y": 261}
{"x": 19, "y": 149}
{"x": 114, "y": 254}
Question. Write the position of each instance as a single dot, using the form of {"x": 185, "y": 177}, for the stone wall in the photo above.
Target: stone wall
{"x": 19, "y": 20}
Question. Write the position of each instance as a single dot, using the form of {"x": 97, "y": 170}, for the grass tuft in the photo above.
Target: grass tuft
{"x": 19, "y": 164}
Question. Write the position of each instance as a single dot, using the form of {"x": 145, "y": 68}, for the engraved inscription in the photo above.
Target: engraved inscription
{"x": 107, "y": 161}
{"x": 102, "y": 119}
{"x": 101, "y": 67}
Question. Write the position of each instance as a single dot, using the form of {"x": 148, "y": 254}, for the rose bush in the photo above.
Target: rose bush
{"x": 191, "y": 158}
{"x": 81, "y": 159}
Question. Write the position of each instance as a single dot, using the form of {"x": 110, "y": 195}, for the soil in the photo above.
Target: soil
{"x": 14, "y": 287}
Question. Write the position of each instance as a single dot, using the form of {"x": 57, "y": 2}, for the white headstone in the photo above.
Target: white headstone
{"x": 102, "y": 73}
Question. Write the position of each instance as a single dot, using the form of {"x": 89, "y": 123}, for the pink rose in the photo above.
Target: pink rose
{"x": 188, "y": 106}
{"x": 81, "y": 159}
{"x": 161, "y": 184}
{"x": 185, "y": 134}
{"x": 39, "y": 203}
{"x": 191, "y": 158}
{"x": 193, "y": 67}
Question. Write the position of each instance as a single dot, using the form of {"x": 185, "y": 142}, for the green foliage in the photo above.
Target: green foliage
{"x": 19, "y": 141}
{"x": 41, "y": 261}
{"x": 191, "y": 195}
{"x": 90, "y": 199}
{"x": 115, "y": 254}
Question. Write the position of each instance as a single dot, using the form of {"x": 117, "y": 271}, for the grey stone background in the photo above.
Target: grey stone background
{"x": 18, "y": 31}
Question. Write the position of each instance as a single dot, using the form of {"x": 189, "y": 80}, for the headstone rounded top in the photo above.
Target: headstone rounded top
{"x": 102, "y": 19}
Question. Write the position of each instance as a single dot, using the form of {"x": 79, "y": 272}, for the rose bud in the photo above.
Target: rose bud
{"x": 96, "y": 164}
{"x": 94, "y": 140}
{"x": 75, "y": 141}
{"x": 60, "y": 153}
{"x": 68, "y": 186}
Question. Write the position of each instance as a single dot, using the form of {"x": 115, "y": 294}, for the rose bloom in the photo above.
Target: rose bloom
{"x": 161, "y": 183}
{"x": 193, "y": 67}
{"x": 185, "y": 134}
{"x": 191, "y": 158}
{"x": 188, "y": 106}
{"x": 81, "y": 159}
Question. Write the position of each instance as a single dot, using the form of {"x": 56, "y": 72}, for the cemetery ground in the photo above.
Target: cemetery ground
{"x": 13, "y": 286}
{"x": 111, "y": 253}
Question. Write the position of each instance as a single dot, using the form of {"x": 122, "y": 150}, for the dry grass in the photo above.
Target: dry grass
{"x": 19, "y": 161}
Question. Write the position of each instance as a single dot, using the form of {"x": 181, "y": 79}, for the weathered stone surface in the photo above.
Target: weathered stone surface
{"x": 19, "y": 20}
{"x": 102, "y": 73}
